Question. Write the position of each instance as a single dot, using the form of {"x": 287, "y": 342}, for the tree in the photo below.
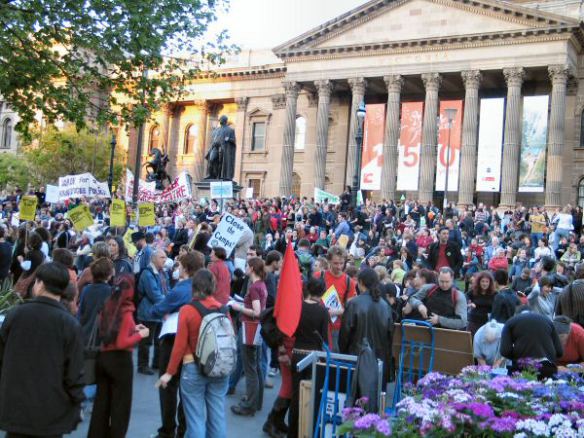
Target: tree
{"x": 14, "y": 171}
{"x": 59, "y": 152}
{"x": 70, "y": 60}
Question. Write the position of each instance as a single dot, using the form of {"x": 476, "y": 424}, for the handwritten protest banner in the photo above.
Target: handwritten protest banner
{"x": 146, "y": 214}
{"x": 82, "y": 185}
{"x": 228, "y": 233}
{"x": 81, "y": 217}
{"x": 118, "y": 213}
{"x": 320, "y": 196}
{"x": 179, "y": 189}
{"x": 27, "y": 207}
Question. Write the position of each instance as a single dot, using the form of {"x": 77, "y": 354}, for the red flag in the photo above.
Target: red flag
{"x": 289, "y": 299}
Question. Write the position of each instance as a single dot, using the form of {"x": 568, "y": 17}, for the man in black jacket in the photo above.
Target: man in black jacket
{"x": 41, "y": 361}
{"x": 445, "y": 253}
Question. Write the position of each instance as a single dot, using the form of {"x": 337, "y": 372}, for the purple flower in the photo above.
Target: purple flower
{"x": 383, "y": 427}
{"x": 366, "y": 421}
{"x": 351, "y": 413}
{"x": 500, "y": 425}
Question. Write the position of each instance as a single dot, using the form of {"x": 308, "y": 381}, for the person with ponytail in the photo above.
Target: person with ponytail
{"x": 368, "y": 316}
{"x": 114, "y": 368}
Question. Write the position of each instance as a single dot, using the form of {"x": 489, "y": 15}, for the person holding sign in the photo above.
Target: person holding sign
{"x": 27, "y": 207}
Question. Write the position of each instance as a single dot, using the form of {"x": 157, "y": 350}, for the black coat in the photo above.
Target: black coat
{"x": 453, "y": 255}
{"x": 41, "y": 369}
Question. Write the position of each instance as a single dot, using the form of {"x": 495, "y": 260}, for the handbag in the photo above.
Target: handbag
{"x": 90, "y": 354}
{"x": 251, "y": 333}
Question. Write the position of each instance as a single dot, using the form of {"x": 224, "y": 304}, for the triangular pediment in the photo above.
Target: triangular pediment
{"x": 382, "y": 21}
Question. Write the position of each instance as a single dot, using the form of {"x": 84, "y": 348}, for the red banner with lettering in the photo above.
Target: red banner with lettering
{"x": 372, "y": 156}
{"x": 410, "y": 140}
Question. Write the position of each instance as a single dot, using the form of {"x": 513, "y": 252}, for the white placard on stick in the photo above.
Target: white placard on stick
{"x": 228, "y": 233}
{"x": 221, "y": 190}
{"x": 52, "y": 194}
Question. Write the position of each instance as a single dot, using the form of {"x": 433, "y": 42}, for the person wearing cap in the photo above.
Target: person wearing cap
{"x": 144, "y": 254}
{"x": 572, "y": 339}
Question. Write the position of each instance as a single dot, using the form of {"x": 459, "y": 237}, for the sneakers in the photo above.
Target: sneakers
{"x": 273, "y": 372}
{"x": 147, "y": 371}
{"x": 244, "y": 412}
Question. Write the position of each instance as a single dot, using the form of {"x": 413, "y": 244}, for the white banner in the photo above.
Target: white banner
{"x": 221, "y": 190}
{"x": 490, "y": 145}
{"x": 228, "y": 233}
{"x": 179, "y": 189}
{"x": 52, "y": 194}
{"x": 320, "y": 196}
{"x": 408, "y": 167}
{"x": 82, "y": 185}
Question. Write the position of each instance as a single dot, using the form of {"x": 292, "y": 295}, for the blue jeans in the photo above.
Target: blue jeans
{"x": 200, "y": 393}
{"x": 264, "y": 359}
{"x": 560, "y": 232}
{"x": 238, "y": 371}
{"x": 535, "y": 237}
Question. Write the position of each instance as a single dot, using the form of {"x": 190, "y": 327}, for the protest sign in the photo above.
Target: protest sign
{"x": 228, "y": 233}
{"x": 81, "y": 217}
{"x": 129, "y": 244}
{"x": 343, "y": 241}
{"x": 27, "y": 207}
{"x": 221, "y": 190}
{"x": 15, "y": 219}
{"x": 179, "y": 189}
{"x": 118, "y": 213}
{"x": 82, "y": 185}
{"x": 146, "y": 214}
{"x": 331, "y": 300}
{"x": 249, "y": 193}
{"x": 52, "y": 194}
{"x": 320, "y": 196}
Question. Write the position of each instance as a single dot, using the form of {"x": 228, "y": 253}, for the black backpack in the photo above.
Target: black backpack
{"x": 269, "y": 329}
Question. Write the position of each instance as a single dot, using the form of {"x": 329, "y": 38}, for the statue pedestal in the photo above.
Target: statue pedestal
{"x": 204, "y": 187}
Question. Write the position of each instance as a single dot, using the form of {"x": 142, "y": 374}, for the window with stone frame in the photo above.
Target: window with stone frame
{"x": 581, "y": 193}
{"x": 190, "y": 139}
{"x": 256, "y": 185}
{"x": 300, "y": 134}
{"x": 258, "y": 136}
{"x": 6, "y": 134}
{"x": 582, "y": 130}
{"x": 154, "y": 140}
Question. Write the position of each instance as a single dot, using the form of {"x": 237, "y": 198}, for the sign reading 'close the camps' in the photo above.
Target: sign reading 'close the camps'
{"x": 227, "y": 233}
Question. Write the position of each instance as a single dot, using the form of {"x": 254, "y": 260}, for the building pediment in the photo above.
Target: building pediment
{"x": 383, "y": 22}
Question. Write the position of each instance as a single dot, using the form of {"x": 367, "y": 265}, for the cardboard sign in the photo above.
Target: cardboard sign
{"x": 118, "y": 213}
{"x": 52, "y": 194}
{"x": 228, "y": 233}
{"x": 81, "y": 217}
{"x": 221, "y": 190}
{"x": 15, "y": 219}
{"x": 82, "y": 185}
{"x": 27, "y": 207}
{"x": 320, "y": 196}
{"x": 146, "y": 214}
{"x": 128, "y": 242}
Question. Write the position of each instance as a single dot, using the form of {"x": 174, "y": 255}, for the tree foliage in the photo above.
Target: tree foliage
{"x": 68, "y": 59}
{"x": 58, "y": 152}
{"x": 14, "y": 171}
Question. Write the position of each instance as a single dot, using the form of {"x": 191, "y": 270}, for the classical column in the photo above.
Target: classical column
{"x": 292, "y": 89}
{"x": 173, "y": 128}
{"x": 325, "y": 88}
{"x": 559, "y": 77}
{"x": 470, "y": 132}
{"x": 512, "y": 139}
{"x": 200, "y": 143}
{"x": 358, "y": 86}
{"x": 394, "y": 84}
{"x": 240, "y": 135}
{"x": 429, "y": 137}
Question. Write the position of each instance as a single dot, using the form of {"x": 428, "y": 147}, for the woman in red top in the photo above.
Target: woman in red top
{"x": 199, "y": 393}
{"x": 114, "y": 368}
{"x": 253, "y": 304}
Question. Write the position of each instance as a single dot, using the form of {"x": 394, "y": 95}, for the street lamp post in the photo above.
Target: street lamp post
{"x": 450, "y": 115}
{"x": 359, "y": 145}
{"x": 110, "y": 178}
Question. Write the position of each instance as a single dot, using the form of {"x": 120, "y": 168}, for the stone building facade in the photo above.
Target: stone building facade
{"x": 294, "y": 108}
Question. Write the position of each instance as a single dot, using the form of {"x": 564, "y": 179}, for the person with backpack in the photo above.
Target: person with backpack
{"x": 506, "y": 300}
{"x": 305, "y": 258}
{"x": 204, "y": 333}
{"x": 442, "y": 305}
{"x": 114, "y": 369}
{"x": 337, "y": 282}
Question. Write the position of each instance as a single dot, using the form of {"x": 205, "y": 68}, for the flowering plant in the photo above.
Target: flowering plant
{"x": 360, "y": 424}
{"x": 476, "y": 404}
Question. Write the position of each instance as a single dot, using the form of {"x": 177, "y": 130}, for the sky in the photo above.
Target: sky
{"x": 259, "y": 24}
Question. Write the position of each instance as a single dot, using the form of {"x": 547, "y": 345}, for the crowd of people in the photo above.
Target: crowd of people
{"x": 513, "y": 279}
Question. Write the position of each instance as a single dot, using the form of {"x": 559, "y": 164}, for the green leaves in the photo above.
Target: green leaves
{"x": 74, "y": 60}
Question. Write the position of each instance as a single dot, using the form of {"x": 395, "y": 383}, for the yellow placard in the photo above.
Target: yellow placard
{"x": 129, "y": 244}
{"x": 118, "y": 213}
{"x": 146, "y": 215}
{"x": 27, "y": 207}
{"x": 343, "y": 241}
{"x": 81, "y": 217}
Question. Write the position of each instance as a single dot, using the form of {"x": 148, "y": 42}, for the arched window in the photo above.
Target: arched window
{"x": 190, "y": 138}
{"x": 300, "y": 136}
{"x": 154, "y": 138}
{"x": 582, "y": 130}
{"x": 6, "y": 134}
{"x": 581, "y": 193}
{"x": 296, "y": 183}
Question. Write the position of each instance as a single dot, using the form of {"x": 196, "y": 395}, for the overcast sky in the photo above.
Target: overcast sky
{"x": 257, "y": 24}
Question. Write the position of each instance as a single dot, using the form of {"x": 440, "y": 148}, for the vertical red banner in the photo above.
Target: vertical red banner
{"x": 408, "y": 165}
{"x": 372, "y": 156}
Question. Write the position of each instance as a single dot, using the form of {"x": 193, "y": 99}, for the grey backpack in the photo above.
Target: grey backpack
{"x": 216, "y": 351}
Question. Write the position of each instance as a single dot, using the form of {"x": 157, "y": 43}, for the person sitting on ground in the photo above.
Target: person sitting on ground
{"x": 572, "y": 339}
{"x": 522, "y": 282}
{"x": 487, "y": 343}
{"x": 442, "y": 305}
{"x": 506, "y": 301}
{"x": 499, "y": 260}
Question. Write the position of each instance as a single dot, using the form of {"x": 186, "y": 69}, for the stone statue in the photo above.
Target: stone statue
{"x": 221, "y": 155}
{"x": 156, "y": 168}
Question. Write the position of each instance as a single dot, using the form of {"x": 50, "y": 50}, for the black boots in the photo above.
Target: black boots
{"x": 275, "y": 426}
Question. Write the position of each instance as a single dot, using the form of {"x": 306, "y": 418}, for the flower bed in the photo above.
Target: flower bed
{"x": 476, "y": 404}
